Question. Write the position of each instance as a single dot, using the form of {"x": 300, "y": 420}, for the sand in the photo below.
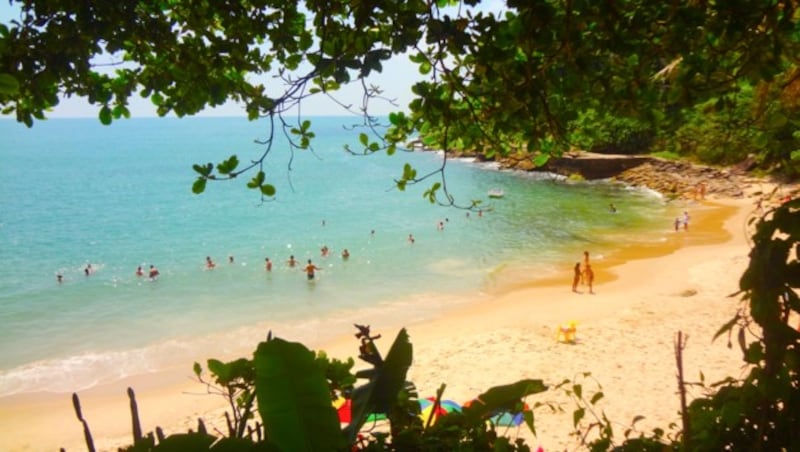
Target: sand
{"x": 625, "y": 334}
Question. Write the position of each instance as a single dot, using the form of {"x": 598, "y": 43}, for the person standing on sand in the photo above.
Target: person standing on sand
{"x": 577, "y": 278}
{"x": 677, "y": 224}
{"x": 585, "y": 266}
{"x": 310, "y": 268}
{"x": 589, "y": 277}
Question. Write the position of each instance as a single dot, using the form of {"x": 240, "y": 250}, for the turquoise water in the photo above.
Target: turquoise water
{"x": 75, "y": 192}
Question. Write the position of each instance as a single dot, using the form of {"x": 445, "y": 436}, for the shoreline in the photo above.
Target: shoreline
{"x": 524, "y": 315}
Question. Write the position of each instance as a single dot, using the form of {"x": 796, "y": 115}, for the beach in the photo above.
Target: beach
{"x": 625, "y": 331}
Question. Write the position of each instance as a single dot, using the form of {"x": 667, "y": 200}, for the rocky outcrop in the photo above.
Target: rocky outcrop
{"x": 672, "y": 178}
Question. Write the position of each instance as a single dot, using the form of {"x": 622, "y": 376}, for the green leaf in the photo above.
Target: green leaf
{"x": 199, "y": 185}
{"x": 8, "y": 85}
{"x": 229, "y": 165}
{"x": 268, "y": 190}
{"x": 387, "y": 380}
{"x": 105, "y": 115}
{"x": 197, "y": 369}
{"x": 363, "y": 138}
{"x": 256, "y": 181}
{"x": 293, "y": 398}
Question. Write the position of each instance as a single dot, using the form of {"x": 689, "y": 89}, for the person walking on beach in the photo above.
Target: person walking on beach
{"x": 310, "y": 268}
{"x": 577, "y": 278}
{"x": 267, "y": 264}
{"x": 209, "y": 263}
{"x": 585, "y": 267}
{"x": 291, "y": 262}
{"x": 685, "y": 220}
{"x": 589, "y": 277}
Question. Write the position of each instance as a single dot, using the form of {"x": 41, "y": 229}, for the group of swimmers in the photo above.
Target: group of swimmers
{"x": 309, "y": 268}
{"x": 584, "y": 275}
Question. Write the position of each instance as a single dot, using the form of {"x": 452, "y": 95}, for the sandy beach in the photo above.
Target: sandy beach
{"x": 625, "y": 334}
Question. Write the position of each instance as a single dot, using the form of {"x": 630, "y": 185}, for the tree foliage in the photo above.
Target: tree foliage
{"x": 518, "y": 76}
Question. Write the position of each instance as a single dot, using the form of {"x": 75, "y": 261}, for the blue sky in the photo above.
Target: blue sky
{"x": 398, "y": 75}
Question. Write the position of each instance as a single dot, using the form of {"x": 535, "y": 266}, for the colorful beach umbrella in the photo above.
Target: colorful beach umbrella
{"x": 506, "y": 418}
{"x": 426, "y": 409}
{"x": 344, "y": 408}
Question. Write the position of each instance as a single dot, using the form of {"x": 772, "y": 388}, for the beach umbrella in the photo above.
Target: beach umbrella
{"x": 344, "y": 407}
{"x": 506, "y": 418}
{"x": 426, "y": 409}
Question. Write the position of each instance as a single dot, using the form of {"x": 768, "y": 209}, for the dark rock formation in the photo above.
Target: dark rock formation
{"x": 672, "y": 178}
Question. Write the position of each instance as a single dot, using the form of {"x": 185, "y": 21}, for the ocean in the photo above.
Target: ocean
{"x": 75, "y": 192}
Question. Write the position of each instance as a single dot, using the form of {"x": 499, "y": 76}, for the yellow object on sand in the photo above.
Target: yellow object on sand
{"x": 566, "y": 333}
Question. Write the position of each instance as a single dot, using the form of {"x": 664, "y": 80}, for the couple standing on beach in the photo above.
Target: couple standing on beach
{"x": 584, "y": 276}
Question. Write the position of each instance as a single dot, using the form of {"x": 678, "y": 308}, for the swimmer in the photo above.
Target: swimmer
{"x": 310, "y": 268}
{"x": 411, "y": 239}
{"x": 345, "y": 254}
{"x": 209, "y": 263}
{"x": 59, "y": 278}
{"x": 88, "y": 270}
{"x": 267, "y": 264}
{"x": 291, "y": 262}
{"x": 153, "y": 273}
{"x": 324, "y": 251}
{"x": 230, "y": 259}
{"x": 612, "y": 208}
{"x": 139, "y": 271}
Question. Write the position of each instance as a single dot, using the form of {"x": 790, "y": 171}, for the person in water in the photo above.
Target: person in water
{"x": 310, "y": 268}
{"x": 153, "y": 273}
{"x": 345, "y": 254}
{"x": 291, "y": 262}
{"x": 139, "y": 271}
{"x": 267, "y": 264}
{"x": 209, "y": 263}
